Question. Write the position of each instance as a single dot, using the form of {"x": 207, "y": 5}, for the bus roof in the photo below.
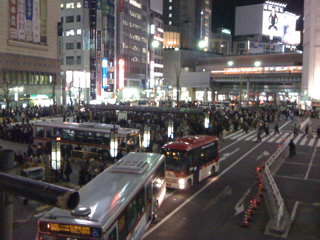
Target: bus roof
{"x": 188, "y": 143}
{"x": 93, "y": 127}
{"x": 108, "y": 193}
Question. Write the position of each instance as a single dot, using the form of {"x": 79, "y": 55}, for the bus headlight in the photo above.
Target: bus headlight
{"x": 181, "y": 183}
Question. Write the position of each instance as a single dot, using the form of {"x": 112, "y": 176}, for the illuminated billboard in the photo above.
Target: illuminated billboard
{"x": 121, "y": 74}
{"x": 277, "y": 23}
{"x": 104, "y": 73}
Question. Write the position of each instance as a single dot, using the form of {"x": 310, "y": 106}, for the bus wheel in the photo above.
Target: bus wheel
{"x": 155, "y": 212}
{"x": 213, "y": 171}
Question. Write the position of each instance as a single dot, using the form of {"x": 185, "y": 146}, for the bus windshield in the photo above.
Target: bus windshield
{"x": 176, "y": 160}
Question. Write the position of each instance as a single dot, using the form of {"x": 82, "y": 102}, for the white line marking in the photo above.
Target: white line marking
{"x": 284, "y": 125}
{"x": 274, "y": 137}
{"x": 282, "y": 137}
{"x": 311, "y": 142}
{"x": 198, "y": 192}
{"x": 231, "y": 135}
{"x": 297, "y": 138}
{"x": 238, "y": 135}
{"x": 240, "y": 201}
{"x": 246, "y": 135}
{"x": 40, "y": 214}
{"x": 251, "y": 137}
{"x": 296, "y": 178}
{"x": 228, "y": 154}
{"x": 294, "y": 211}
{"x": 304, "y": 141}
{"x": 309, "y": 168}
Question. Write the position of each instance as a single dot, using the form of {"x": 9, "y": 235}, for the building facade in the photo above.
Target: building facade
{"x": 29, "y": 61}
{"x": 311, "y": 54}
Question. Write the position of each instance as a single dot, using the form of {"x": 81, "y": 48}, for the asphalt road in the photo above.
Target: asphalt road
{"x": 213, "y": 208}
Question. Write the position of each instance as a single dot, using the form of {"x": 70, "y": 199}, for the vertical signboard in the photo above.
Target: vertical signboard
{"x": 151, "y": 74}
{"x": 21, "y": 17}
{"x": 121, "y": 74}
{"x": 43, "y": 21}
{"x": 99, "y": 73}
{"x": 104, "y": 73}
{"x": 36, "y": 21}
{"x": 29, "y": 15}
{"x": 13, "y": 19}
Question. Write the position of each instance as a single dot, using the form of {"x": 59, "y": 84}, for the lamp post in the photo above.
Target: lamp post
{"x": 56, "y": 156}
{"x": 178, "y": 65}
{"x": 206, "y": 120}
{"x": 114, "y": 142}
{"x": 146, "y": 136}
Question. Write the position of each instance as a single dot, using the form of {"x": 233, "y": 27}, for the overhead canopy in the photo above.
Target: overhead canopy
{"x": 125, "y": 108}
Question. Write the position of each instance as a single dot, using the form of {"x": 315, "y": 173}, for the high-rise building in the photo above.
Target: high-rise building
{"x": 29, "y": 62}
{"x": 203, "y": 19}
{"x": 311, "y": 54}
{"x": 105, "y": 43}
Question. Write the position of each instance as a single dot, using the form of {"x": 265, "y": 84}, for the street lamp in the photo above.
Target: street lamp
{"x": 114, "y": 142}
{"x": 146, "y": 136}
{"x": 206, "y": 120}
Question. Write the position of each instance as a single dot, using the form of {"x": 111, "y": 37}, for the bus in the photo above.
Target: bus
{"x": 89, "y": 134}
{"x": 120, "y": 203}
{"x": 190, "y": 159}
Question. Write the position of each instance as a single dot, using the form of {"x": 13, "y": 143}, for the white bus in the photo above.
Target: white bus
{"x": 86, "y": 134}
{"x": 118, "y": 204}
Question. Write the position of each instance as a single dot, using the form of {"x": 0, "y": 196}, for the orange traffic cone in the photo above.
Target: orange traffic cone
{"x": 248, "y": 214}
{"x": 245, "y": 221}
{"x": 260, "y": 192}
{"x": 258, "y": 199}
{"x": 254, "y": 204}
{"x": 263, "y": 164}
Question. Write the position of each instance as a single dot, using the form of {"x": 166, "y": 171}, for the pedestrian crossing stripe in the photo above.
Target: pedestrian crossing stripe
{"x": 279, "y": 138}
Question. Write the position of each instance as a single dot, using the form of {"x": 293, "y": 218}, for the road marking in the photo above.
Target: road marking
{"x": 297, "y": 138}
{"x": 169, "y": 194}
{"x": 226, "y": 192}
{"x": 228, "y": 154}
{"x": 246, "y": 135}
{"x": 251, "y": 137}
{"x": 311, "y": 142}
{"x": 282, "y": 138}
{"x": 309, "y": 168}
{"x": 198, "y": 192}
{"x": 42, "y": 208}
{"x": 284, "y": 125}
{"x": 274, "y": 137}
{"x": 304, "y": 141}
{"x": 238, "y": 135}
{"x": 239, "y": 206}
{"x": 231, "y": 135}
{"x": 296, "y": 178}
{"x": 294, "y": 211}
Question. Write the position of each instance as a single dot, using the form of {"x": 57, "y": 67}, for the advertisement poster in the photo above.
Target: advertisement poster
{"x": 99, "y": 73}
{"x": 13, "y": 19}
{"x": 21, "y": 17}
{"x": 43, "y": 21}
{"x": 36, "y": 21}
{"x": 29, "y": 13}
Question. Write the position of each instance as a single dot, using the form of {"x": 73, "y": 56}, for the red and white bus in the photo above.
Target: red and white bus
{"x": 190, "y": 159}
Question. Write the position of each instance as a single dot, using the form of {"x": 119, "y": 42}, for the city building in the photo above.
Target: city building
{"x": 221, "y": 41}
{"x": 311, "y": 55}
{"x": 106, "y": 43}
{"x": 29, "y": 61}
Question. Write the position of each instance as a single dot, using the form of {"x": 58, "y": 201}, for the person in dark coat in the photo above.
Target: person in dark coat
{"x": 30, "y": 151}
{"x": 83, "y": 176}
{"x": 68, "y": 169}
{"x": 119, "y": 155}
{"x": 292, "y": 148}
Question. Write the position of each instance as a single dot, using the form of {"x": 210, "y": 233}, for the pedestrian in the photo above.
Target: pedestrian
{"x": 307, "y": 129}
{"x": 295, "y": 130}
{"x": 292, "y": 148}
{"x": 224, "y": 134}
{"x": 30, "y": 151}
{"x": 318, "y": 131}
{"x": 276, "y": 129}
{"x": 259, "y": 135}
{"x": 68, "y": 169}
{"x": 309, "y": 133}
{"x": 83, "y": 176}
{"x": 119, "y": 155}
{"x": 267, "y": 129}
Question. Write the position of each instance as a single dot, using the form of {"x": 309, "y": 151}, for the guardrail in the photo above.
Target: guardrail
{"x": 78, "y": 155}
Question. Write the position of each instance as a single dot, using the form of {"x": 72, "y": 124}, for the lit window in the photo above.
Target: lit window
{"x": 78, "y": 4}
{"x": 69, "y": 33}
{"x": 170, "y": 7}
{"x": 170, "y": 22}
{"x": 79, "y": 32}
{"x": 61, "y": 5}
{"x": 170, "y": 15}
{"x": 69, "y": 5}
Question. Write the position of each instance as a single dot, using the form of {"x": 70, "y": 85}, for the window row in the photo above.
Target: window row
{"x": 25, "y": 78}
{"x": 70, "y": 60}
{"x": 71, "y": 32}
{"x": 70, "y": 19}
{"x": 70, "y": 5}
{"x": 70, "y": 46}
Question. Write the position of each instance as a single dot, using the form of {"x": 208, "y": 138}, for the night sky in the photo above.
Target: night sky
{"x": 223, "y": 11}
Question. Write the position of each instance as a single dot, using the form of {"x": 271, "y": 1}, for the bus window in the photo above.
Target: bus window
{"x": 48, "y": 131}
{"x": 79, "y": 136}
{"x": 113, "y": 234}
{"x": 141, "y": 202}
{"x": 89, "y": 136}
{"x": 40, "y": 132}
{"x": 158, "y": 178}
{"x": 189, "y": 162}
{"x": 196, "y": 157}
{"x": 122, "y": 227}
{"x": 176, "y": 161}
{"x": 132, "y": 214}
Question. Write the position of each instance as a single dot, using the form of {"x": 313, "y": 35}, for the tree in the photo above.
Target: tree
{"x": 7, "y": 92}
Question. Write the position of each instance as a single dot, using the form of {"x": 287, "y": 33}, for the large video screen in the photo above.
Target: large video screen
{"x": 278, "y": 23}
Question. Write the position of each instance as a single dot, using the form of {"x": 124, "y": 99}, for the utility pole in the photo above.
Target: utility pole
{"x": 240, "y": 77}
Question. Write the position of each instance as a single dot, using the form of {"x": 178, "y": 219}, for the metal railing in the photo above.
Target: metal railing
{"x": 78, "y": 155}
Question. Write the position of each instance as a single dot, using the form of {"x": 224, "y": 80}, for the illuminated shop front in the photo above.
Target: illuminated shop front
{"x": 77, "y": 87}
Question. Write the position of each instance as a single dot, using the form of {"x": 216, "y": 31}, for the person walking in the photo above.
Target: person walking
{"x": 295, "y": 130}
{"x": 307, "y": 129}
{"x": 82, "y": 176}
{"x": 276, "y": 129}
{"x": 259, "y": 135}
{"x": 292, "y": 148}
{"x": 318, "y": 132}
{"x": 267, "y": 129}
{"x": 68, "y": 169}
{"x": 309, "y": 133}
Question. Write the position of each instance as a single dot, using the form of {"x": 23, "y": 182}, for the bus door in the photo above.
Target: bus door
{"x": 149, "y": 195}
{"x": 112, "y": 233}
{"x": 196, "y": 164}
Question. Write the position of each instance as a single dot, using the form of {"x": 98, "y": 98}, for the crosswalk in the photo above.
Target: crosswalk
{"x": 300, "y": 139}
